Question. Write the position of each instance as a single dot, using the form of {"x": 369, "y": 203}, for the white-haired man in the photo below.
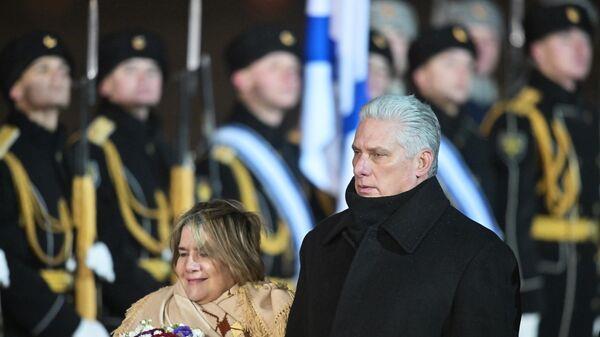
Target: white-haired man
{"x": 401, "y": 260}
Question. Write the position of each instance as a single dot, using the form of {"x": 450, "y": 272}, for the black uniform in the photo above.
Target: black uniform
{"x": 281, "y": 263}
{"x": 538, "y": 195}
{"x": 29, "y": 306}
{"x": 144, "y": 161}
{"x": 464, "y": 134}
{"x": 461, "y": 130}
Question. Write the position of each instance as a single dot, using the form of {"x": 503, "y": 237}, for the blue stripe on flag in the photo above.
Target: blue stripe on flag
{"x": 317, "y": 41}
{"x": 350, "y": 121}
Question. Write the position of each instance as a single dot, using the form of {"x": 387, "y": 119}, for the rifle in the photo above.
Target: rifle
{"x": 182, "y": 174}
{"x": 84, "y": 197}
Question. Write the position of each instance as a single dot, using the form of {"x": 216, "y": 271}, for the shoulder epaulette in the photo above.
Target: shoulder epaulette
{"x": 100, "y": 130}
{"x": 522, "y": 104}
{"x": 525, "y": 102}
{"x": 8, "y": 136}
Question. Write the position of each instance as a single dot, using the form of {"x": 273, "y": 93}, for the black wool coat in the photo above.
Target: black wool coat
{"x": 427, "y": 270}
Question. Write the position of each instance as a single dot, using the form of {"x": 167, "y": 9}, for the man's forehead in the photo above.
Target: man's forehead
{"x": 373, "y": 133}
{"x": 49, "y": 59}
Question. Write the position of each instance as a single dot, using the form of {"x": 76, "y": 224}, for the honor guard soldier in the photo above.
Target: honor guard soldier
{"x": 441, "y": 67}
{"x": 485, "y": 24}
{"x": 541, "y": 186}
{"x": 132, "y": 166}
{"x": 36, "y": 227}
{"x": 257, "y": 158}
{"x": 381, "y": 65}
{"x": 399, "y": 23}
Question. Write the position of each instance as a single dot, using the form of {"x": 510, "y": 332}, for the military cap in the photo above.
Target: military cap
{"x": 437, "y": 40}
{"x": 541, "y": 21}
{"x": 257, "y": 42}
{"x": 473, "y": 12}
{"x": 119, "y": 46}
{"x": 19, "y": 53}
{"x": 394, "y": 15}
{"x": 378, "y": 44}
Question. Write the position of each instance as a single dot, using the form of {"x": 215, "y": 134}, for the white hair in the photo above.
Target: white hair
{"x": 419, "y": 128}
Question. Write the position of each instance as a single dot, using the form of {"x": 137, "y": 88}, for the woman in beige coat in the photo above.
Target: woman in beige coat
{"x": 220, "y": 286}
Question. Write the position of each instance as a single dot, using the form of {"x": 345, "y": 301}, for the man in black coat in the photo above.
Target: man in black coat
{"x": 401, "y": 261}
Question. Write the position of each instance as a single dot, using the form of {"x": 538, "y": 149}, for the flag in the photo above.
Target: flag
{"x": 462, "y": 189}
{"x": 335, "y": 89}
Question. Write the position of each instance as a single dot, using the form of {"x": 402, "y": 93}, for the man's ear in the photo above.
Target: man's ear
{"x": 241, "y": 80}
{"x": 536, "y": 52}
{"x": 419, "y": 78}
{"x": 424, "y": 162}
{"x": 16, "y": 92}
{"x": 105, "y": 87}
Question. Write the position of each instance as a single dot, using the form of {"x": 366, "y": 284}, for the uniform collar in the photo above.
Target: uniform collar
{"x": 552, "y": 93}
{"x": 129, "y": 126}
{"x": 274, "y": 135}
{"x": 412, "y": 218}
{"x": 41, "y": 137}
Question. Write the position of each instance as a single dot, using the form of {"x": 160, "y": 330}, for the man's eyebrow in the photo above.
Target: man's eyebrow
{"x": 377, "y": 149}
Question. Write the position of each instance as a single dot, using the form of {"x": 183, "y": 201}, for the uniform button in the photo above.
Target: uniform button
{"x": 150, "y": 149}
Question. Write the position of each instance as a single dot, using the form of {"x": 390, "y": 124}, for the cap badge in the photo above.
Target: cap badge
{"x": 287, "y": 38}
{"x": 49, "y": 42}
{"x": 459, "y": 34}
{"x": 572, "y": 15}
{"x": 138, "y": 42}
{"x": 479, "y": 11}
{"x": 379, "y": 41}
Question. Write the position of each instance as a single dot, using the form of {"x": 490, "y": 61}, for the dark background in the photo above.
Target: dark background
{"x": 222, "y": 20}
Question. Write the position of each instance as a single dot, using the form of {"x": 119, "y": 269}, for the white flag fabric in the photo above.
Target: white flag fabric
{"x": 335, "y": 88}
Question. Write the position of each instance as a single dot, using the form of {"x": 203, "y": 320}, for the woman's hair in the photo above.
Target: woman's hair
{"x": 226, "y": 233}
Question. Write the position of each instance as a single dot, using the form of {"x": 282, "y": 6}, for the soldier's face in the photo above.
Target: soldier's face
{"x": 564, "y": 56}
{"x": 487, "y": 43}
{"x": 446, "y": 77}
{"x": 203, "y": 278}
{"x": 274, "y": 80}
{"x": 134, "y": 83}
{"x": 399, "y": 44}
{"x": 45, "y": 84}
{"x": 380, "y": 76}
{"x": 381, "y": 165}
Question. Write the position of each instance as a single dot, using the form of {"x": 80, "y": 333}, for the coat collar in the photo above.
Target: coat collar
{"x": 409, "y": 224}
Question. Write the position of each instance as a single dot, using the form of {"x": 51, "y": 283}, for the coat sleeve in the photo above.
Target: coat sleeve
{"x": 298, "y": 319}
{"x": 487, "y": 299}
{"x": 28, "y": 303}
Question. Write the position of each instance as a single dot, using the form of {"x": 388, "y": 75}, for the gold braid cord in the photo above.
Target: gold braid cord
{"x": 33, "y": 214}
{"x": 271, "y": 244}
{"x": 561, "y": 181}
{"x": 130, "y": 206}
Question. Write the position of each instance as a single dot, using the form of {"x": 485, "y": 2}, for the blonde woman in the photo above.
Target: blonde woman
{"x": 220, "y": 286}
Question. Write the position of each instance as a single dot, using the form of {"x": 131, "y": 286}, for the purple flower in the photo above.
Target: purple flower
{"x": 183, "y": 331}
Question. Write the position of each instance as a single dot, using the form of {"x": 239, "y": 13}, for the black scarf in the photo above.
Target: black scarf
{"x": 367, "y": 212}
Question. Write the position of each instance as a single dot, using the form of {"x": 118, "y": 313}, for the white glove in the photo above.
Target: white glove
{"x": 529, "y": 325}
{"x": 89, "y": 328}
{"x": 4, "y": 271}
{"x": 166, "y": 255}
{"x": 100, "y": 261}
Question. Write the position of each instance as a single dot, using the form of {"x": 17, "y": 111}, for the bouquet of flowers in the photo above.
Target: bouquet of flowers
{"x": 146, "y": 329}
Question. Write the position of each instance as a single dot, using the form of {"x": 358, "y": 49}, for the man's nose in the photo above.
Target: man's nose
{"x": 361, "y": 166}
